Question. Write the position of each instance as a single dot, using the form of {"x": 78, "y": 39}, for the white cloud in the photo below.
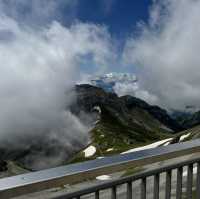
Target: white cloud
{"x": 38, "y": 68}
{"x": 134, "y": 89}
{"x": 167, "y": 53}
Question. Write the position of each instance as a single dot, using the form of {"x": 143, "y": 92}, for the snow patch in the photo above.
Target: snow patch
{"x": 100, "y": 157}
{"x": 184, "y": 136}
{"x": 90, "y": 151}
{"x": 153, "y": 145}
{"x": 110, "y": 149}
{"x": 95, "y": 123}
{"x": 103, "y": 177}
{"x": 98, "y": 109}
{"x": 166, "y": 144}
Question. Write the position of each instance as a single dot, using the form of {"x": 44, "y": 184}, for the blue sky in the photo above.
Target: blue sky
{"x": 121, "y": 16}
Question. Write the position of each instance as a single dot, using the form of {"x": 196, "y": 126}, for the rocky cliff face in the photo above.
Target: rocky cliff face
{"x": 121, "y": 107}
{"x": 157, "y": 112}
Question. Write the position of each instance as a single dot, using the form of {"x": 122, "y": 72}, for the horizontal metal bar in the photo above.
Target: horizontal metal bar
{"x": 37, "y": 181}
{"x": 124, "y": 180}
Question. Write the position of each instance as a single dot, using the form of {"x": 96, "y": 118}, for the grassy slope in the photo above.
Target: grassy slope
{"x": 110, "y": 133}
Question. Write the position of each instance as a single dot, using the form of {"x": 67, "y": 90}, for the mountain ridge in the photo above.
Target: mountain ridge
{"x": 119, "y": 124}
{"x": 125, "y": 122}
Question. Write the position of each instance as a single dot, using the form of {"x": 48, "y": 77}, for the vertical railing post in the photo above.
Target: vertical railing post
{"x": 179, "y": 183}
{"x": 198, "y": 180}
{"x": 97, "y": 195}
{"x": 168, "y": 184}
{"x": 143, "y": 188}
{"x": 129, "y": 190}
{"x": 114, "y": 193}
{"x": 156, "y": 186}
{"x": 189, "y": 181}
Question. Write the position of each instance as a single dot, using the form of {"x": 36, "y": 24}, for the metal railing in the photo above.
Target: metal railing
{"x": 45, "y": 179}
{"x": 112, "y": 185}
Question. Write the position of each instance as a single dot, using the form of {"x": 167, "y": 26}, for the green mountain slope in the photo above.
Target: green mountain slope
{"x": 189, "y": 121}
{"x": 124, "y": 123}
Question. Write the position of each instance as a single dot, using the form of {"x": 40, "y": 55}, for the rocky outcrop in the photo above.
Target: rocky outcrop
{"x": 3, "y": 166}
{"x": 157, "y": 112}
{"x": 121, "y": 107}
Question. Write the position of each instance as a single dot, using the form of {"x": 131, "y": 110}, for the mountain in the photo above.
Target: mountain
{"x": 108, "y": 81}
{"x": 178, "y": 115}
{"x": 189, "y": 121}
{"x": 124, "y": 122}
{"x": 119, "y": 124}
{"x": 157, "y": 112}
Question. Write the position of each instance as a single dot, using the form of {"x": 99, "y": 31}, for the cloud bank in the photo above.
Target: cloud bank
{"x": 167, "y": 53}
{"x": 39, "y": 67}
{"x": 135, "y": 90}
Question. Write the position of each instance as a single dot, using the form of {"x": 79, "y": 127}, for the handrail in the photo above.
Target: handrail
{"x": 45, "y": 179}
{"x": 117, "y": 182}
